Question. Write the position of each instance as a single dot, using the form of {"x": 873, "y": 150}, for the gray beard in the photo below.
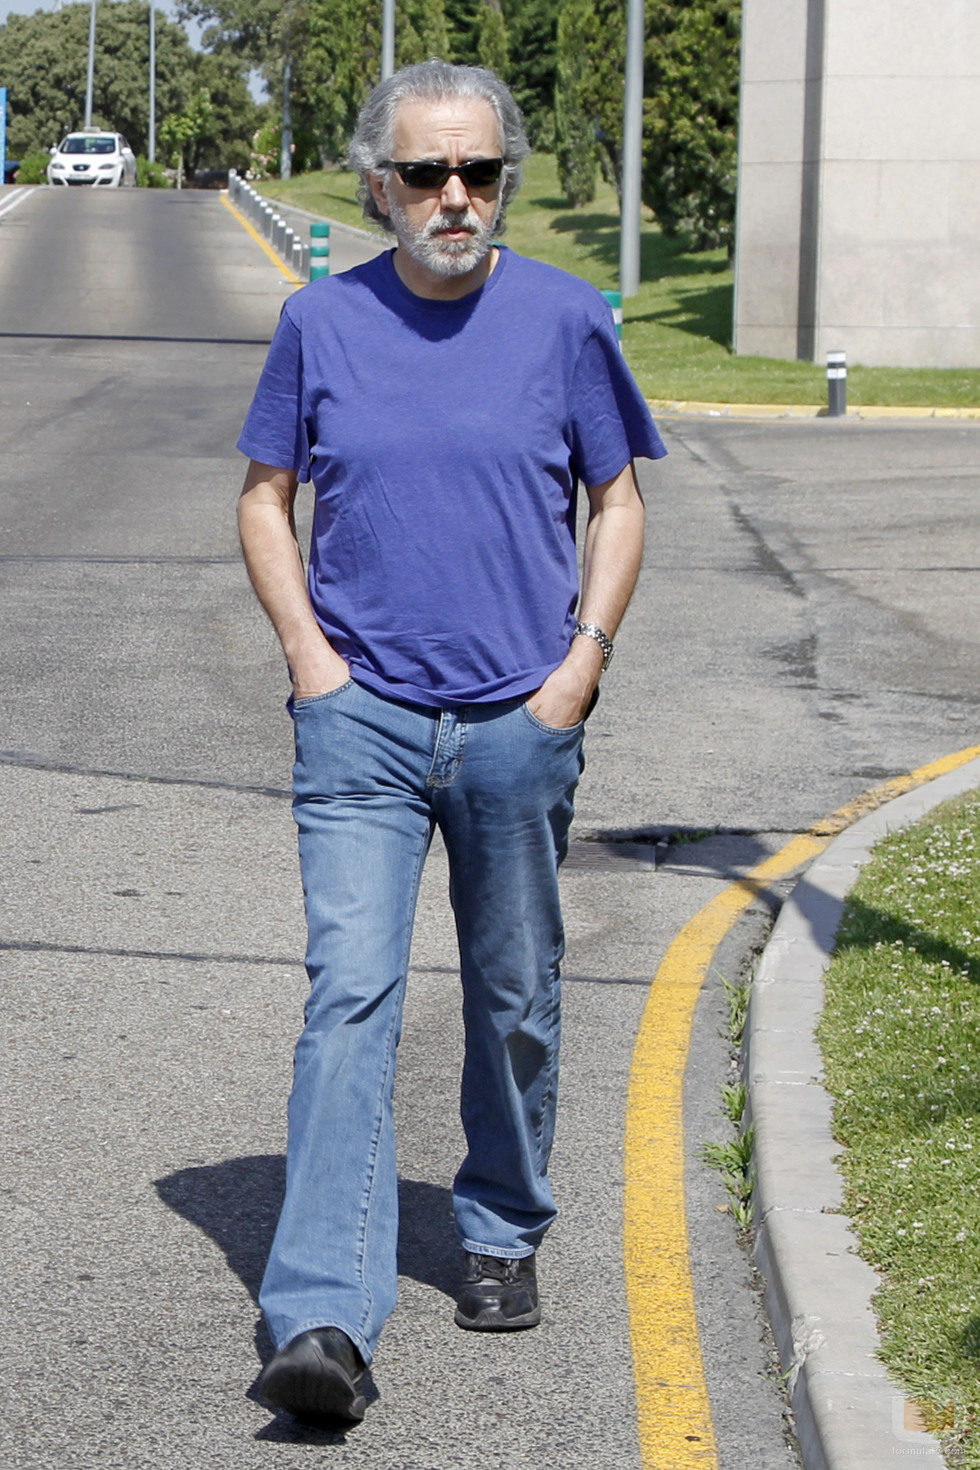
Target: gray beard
{"x": 446, "y": 258}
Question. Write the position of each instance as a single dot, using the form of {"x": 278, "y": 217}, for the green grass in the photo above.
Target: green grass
{"x": 899, "y": 1035}
{"x": 678, "y": 328}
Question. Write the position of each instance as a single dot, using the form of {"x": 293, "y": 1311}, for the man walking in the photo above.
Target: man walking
{"x": 446, "y": 399}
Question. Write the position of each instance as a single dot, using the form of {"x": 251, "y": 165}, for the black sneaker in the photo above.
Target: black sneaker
{"x": 498, "y": 1295}
{"x": 316, "y": 1376}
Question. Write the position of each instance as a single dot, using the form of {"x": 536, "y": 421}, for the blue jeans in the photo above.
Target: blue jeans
{"x": 373, "y": 778}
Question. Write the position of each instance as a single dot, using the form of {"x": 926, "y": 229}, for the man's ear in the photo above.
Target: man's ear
{"x": 377, "y": 185}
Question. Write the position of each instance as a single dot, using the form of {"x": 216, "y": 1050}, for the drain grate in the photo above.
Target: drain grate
{"x": 725, "y": 852}
{"x": 611, "y": 857}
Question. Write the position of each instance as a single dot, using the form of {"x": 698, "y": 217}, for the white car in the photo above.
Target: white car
{"x": 93, "y": 157}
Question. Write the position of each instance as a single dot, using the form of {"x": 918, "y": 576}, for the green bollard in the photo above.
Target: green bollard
{"x": 319, "y": 250}
{"x": 615, "y": 300}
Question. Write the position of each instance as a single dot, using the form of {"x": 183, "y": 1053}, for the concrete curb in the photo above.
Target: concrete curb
{"x": 869, "y": 412}
{"x": 849, "y": 1414}
{"x": 372, "y": 236}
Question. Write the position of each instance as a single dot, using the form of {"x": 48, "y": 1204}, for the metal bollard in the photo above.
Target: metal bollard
{"x": 615, "y": 299}
{"x": 836, "y": 385}
{"x": 319, "y": 250}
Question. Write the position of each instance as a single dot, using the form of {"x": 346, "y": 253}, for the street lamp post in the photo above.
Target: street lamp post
{"x": 151, "y": 136}
{"x": 387, "y": 39}
{"x": 90, "y": 78}
{"x": 629, "y": 222}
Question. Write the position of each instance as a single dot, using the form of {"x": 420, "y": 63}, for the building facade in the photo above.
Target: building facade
{"x": 858, "y": 221}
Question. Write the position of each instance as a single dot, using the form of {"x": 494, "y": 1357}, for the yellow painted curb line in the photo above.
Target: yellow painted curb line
{"x": 802, "y": 410}
{"x": 673, "y": 1410}
{"x": 264, "y": 244}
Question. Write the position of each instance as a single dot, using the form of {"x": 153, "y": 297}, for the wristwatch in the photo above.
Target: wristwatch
{"x": 591, "y": 630}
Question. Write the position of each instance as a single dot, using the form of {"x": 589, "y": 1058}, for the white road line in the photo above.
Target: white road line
{"x": 12, "y": 200}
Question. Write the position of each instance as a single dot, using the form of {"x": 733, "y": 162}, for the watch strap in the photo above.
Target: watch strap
{"x": 592, "y": 630}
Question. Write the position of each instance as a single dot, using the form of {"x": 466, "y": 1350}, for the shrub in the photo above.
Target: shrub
{"x": 33, "y": 168}
{"x": 150, "y": 175}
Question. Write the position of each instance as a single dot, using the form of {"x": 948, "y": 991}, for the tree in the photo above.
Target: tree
{"x": 604, "y": 85}
{"x": 43, "y": 61}
{"x": 690, "y": 111}
{"x": 575, "y": 132}
{"x": 532, "y": 29}
{"x": 461, "y": 19}
{"x": 690, "y": 118}
{"x": 341, "y": 64}
{"x": 269, "y": 37}
{"x": 491, "y": 38}
{"x": 233, "y": 117}
{"x": 179, "y": 130}
{"x": 421, "y": 31}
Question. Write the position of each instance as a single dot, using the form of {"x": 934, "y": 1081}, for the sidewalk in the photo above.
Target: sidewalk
{"x": 849, "y": 1414}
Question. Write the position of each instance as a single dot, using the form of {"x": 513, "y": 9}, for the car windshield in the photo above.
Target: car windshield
{"x": 88, "y": 145}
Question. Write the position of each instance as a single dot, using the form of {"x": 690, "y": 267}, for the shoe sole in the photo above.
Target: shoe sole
{"x": 490, "y": 1320}
{"x": 322, "y": 1391}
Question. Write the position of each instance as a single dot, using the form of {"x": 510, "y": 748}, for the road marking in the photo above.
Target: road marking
{"x": 251, "y": 230}
{"x": 673, "y": 1410}
{"x": 19, "y": 196}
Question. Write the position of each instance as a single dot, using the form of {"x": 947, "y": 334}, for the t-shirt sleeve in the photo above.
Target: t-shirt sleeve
{"x": 275, "y": 431}
{"x": 610, "y": 421}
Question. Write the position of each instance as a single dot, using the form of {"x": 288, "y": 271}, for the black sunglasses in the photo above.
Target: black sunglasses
{"x": 479, "y": 173}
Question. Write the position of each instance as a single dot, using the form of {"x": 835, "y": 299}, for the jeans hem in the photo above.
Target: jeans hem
{"x": 500, "y": 1253}
{"x": 317, "y": 1322}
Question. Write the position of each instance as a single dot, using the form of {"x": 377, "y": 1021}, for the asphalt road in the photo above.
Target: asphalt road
{"x": 805, "y": 625}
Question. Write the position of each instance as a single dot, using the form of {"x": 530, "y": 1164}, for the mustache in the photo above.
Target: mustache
{"x": 453, "y": 220}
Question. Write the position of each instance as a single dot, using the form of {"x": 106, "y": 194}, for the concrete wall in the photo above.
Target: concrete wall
{"x": 859, "y": 181}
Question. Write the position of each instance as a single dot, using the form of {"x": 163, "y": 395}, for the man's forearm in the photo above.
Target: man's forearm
{"x": 275, "y": 568}
{"x": 613, "y": 553}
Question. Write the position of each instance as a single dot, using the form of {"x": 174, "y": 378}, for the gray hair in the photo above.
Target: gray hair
{"x": 433, "y": 81}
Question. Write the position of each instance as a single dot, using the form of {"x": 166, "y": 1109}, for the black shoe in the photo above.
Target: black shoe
{"x": 317, "y": 1375}
{"x": 498, "y": 1295}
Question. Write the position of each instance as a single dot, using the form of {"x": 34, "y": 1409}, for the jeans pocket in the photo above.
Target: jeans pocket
{"x": 563, "y": 729}
{"x": 296, "y": 705}
{"x": 556, "y": 730}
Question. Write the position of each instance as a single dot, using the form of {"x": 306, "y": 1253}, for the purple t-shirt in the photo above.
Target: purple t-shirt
{"x": 445, "y": 441}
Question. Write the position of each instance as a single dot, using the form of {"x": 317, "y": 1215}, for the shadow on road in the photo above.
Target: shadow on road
{"x": 237, "y": 1204}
